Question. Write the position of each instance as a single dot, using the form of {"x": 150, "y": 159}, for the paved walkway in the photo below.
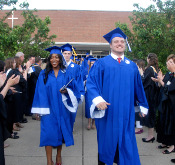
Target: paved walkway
{"x": 25, "y": 150}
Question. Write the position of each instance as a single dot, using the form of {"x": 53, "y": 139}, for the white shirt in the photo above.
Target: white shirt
{"x": 68, "y": 63}
{"x": 116, "y": 57}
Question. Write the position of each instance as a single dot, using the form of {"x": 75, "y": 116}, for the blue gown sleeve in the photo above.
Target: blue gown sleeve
{"x": 94, "y": 87}
{"x": 140, "y": 97}
{"x": 73, "y": 97}
{"x": 84, "y": 69}
{"x": 40, "y": 101}
{"x": 80, "y": 84}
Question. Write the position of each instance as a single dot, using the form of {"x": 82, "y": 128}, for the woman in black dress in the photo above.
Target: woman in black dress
{"x": 166, "y": 119}
{"x": 18, "y": 100}
{"x": 150, "y": 88}
{"x": 4, "y": 134}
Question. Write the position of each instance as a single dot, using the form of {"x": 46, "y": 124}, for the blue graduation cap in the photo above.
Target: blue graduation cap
{"x": 90, "y": 57}
{"x": 116, "y": 33}
{"x": 67, "y": 47}
{"x": 93, "y": 59}
{"x": 54, "y": 50}
{"x": 77, "y": 59}
{"x": 72, "y": 57}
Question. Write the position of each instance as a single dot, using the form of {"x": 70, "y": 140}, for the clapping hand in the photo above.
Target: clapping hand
{"x": 13, "y": 80}
{"x": 2, "y": 78}
{"x": 28, "y": 64}
{"x": 159, "y": 78}
{"x": 140, "y": 71}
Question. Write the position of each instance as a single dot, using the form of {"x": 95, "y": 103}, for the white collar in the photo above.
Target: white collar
{"x": 115, "y": 56}
{"x": 68, "y": 63}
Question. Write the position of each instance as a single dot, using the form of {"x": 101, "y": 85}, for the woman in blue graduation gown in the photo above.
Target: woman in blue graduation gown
{"x": 55, "y": 105}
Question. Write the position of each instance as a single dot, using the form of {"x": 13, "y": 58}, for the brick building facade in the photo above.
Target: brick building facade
{"x": 83, "y": 29}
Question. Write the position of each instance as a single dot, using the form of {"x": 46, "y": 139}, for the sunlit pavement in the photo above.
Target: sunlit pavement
{"x": 26, "y": 150}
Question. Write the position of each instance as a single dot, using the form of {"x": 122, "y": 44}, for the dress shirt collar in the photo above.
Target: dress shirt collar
{"x": 115, "y": 56}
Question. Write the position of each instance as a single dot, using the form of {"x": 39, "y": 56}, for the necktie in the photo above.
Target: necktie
{"x": 119, "y": 60}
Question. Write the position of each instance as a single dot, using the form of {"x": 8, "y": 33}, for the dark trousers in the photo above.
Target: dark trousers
{"x": 116, "y": 158}
{"x": 99, "y": 162}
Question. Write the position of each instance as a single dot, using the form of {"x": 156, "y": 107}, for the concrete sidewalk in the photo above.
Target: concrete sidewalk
{"x": 25, "y": 150}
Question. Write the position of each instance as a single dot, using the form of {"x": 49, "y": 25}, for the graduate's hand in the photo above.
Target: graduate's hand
{"x": 102, "y": 105}
{"x": 63, "y": 91}
{"x": 37, "y": 116}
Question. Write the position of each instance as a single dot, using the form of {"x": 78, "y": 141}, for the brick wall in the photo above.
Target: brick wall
{"x": 78, "y": 26}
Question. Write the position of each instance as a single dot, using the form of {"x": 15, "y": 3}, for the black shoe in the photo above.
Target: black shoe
{"x": 13, "y": 136}
{"x": 147, "y": 141}
{"x": 100, "y": 163}
{"x": 15, "y": 133}
{"x": 168, "y": 152}
{"x": 24, "y": 120}
{"x": 173, "y": 160}
{"x": 161, "y": 147}
{"x": 30, "y": 114}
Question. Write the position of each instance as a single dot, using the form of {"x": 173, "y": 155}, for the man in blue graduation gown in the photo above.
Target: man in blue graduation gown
{"x": 113, "y": 86}
{"x": 74, "y": 70}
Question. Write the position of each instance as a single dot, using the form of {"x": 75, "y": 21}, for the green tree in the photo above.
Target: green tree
{"x": 32, "y": 37}
{"x": 125, "y": 28}
{"x": 153, "y": 30}
{"x": 7, "y": 3}
{"x": 12, "y": 3}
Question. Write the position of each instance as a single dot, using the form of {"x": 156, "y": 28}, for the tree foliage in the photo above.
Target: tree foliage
{"x": 12, "y": 3}
{"x": 153, "y": 30}
{"x": 32, "y": 37}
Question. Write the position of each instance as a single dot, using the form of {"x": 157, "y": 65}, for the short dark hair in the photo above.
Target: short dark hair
{"x": 141, "y": 64}
{"x": 37, "y": 59}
